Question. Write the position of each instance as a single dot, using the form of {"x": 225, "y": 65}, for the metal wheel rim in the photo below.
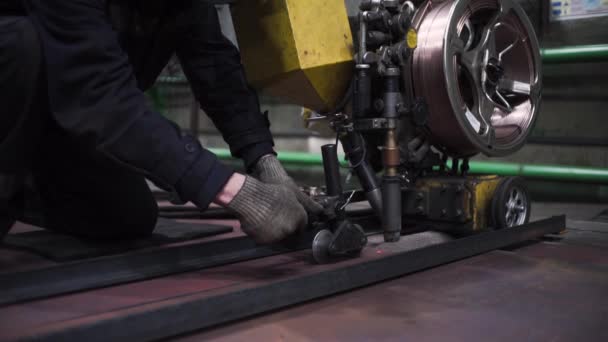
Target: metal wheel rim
{"x": 320, "y": 246}
{"x": 484, "y": 53}
{"x": 516, "y": 207}
{"x": 505, "y": 89}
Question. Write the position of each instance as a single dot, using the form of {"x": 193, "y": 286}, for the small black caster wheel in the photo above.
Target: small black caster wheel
{"x": 510, "y": 204}
{"x": 320, "y": 246}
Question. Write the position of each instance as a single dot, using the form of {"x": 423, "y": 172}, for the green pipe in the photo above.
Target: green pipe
{"x": 545, "y": 172}
{"x": 576, "y": 54}
{"x": 294, "y": 158}
{"x": 158, "y": 101}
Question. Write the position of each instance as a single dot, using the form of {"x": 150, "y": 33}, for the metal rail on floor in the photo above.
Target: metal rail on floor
{"x": 207, "y": 308}
{"x": 114, "y": 270}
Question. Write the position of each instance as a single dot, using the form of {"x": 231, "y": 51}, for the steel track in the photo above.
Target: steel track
{"x": 205, "y": 309}
{"x": 113, "y": 270}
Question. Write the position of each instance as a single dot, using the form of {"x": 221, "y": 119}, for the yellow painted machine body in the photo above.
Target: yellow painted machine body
{"x": 484, "y": 188}
{"x": 460, "y": 204}
{"x": 298, "y": 50}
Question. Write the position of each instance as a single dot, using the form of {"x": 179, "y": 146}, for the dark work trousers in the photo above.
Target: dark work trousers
{"x": 77, "y": 191}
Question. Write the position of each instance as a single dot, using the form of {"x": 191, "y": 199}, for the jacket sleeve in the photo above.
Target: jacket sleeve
{"x": 213, "y": 67}
{"x": 93, "y": 96}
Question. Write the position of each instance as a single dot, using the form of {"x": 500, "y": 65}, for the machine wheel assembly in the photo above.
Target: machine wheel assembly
{"x": 320, "y": 246}
{"x": 511, "y": 204}
{"x": 347, "y": 240}
{"x": 477, "y": 65}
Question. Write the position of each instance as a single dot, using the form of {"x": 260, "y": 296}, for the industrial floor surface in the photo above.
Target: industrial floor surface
{"x": 552, "y": 290}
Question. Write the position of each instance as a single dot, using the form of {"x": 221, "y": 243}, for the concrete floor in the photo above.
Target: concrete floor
{"x": 554, "y": 290}
{"x": 573, "y": 211}
{"x": 533, "y": 294}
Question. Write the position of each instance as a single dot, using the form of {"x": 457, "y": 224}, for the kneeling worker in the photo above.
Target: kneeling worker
{"x": 75, "y": 120}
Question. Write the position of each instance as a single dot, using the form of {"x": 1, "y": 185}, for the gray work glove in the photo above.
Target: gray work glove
{"x": 270, "y": 171}
{"x": 268, "y": 212}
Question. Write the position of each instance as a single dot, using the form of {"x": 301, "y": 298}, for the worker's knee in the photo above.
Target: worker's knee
{"x": 140, "y": 222}
{"x": 7, "y": 217}
{"x": 120, "y": 222}
{"x": 5, "y": 225}
{"x": 135, "y": 221}
{"x": 136, "y": 212}
{"x": 9, "y": 187}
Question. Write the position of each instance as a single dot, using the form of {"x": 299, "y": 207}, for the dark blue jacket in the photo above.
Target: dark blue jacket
{"x": 100, "y": 56}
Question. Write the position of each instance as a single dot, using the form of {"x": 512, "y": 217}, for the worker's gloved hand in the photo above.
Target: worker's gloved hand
{"x": 268, "y": 212}
{"x": 269, "y": 170}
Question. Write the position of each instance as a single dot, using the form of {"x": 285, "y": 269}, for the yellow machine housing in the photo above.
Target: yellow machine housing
{"x": 299, "y": 50}
{"x": 460, "y": 203}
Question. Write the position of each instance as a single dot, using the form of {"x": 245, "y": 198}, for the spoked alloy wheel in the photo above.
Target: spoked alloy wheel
{"x": 478, "y": 67}
{"x": 511, "y": 204}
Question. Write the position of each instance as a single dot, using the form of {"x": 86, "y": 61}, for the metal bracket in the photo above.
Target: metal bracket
{"x": 375, "y": 124}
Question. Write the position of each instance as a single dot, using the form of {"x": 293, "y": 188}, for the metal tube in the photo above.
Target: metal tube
{"x": 391, "y": 153}
{"x": 548, "y": 172}
{"x": 362, "y": 95}
{"x": 391, "y": 182}
{"x": 576, "y": 54}
{"x": 391, "y": 208}
{"x": 362, "y": 39}
{"x": 331, "y": 166}
{"x": 353, "y": 145}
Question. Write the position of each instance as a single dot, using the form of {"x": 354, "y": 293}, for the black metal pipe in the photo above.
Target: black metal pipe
{"x": 391, "y": 206}
{"x": 392, "y": 84}
{"x": 355, "y": 150}
{"x": 391, "y": 182}
{"x": 392, "y": 96}
{"x": 331, "y": 166}
{"x": 362, "y": 92}
{"x": 365, "y": 5}
{"x": 376, "y": 38}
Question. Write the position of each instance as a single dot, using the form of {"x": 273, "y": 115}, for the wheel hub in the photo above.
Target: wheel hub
{"x": 516, "y": 208}
{"x": 494, "y": 71}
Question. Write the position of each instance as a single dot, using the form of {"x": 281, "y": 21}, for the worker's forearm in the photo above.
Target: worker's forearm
{"x": 158, "y": 148}
{"x": 93, "y": 95}
{"x": 213, "y": 67}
